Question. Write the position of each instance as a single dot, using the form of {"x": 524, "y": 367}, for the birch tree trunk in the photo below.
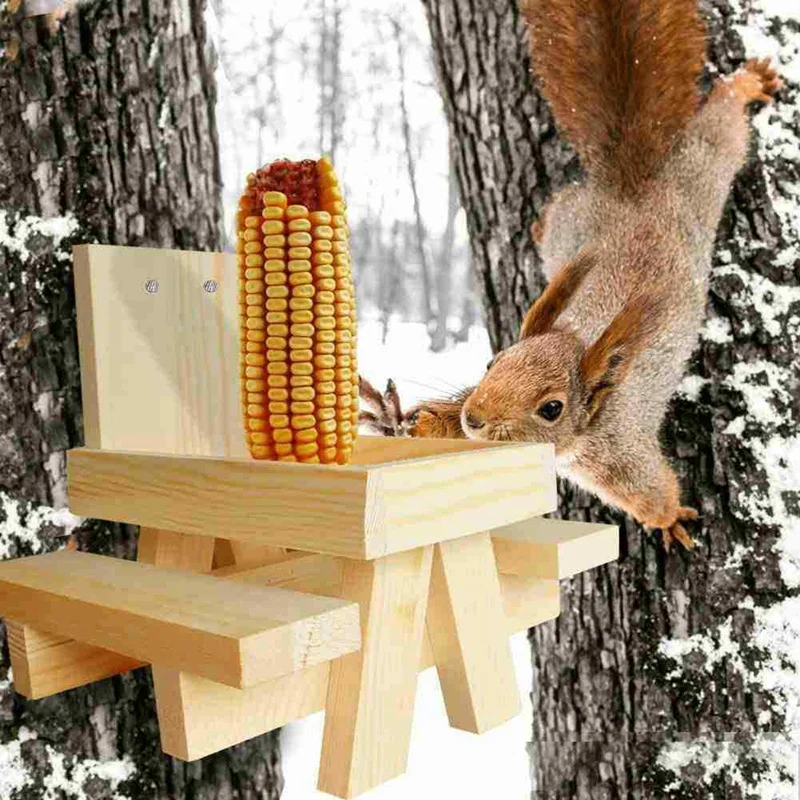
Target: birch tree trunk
{"x": 108, "y": 135}
{"x": 664, "y": 677}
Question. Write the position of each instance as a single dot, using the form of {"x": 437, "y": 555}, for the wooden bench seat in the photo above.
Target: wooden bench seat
{"x": 227, "y": 631}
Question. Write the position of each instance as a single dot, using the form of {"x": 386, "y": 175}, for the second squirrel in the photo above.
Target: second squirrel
{"x": 627, "y": 254}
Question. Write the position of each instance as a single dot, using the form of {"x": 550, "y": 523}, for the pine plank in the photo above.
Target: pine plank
{"x": 159, "y": 371}
{"x": 227, "y": 631}
{"x": 370, "y": 700}
{"x": 469, "y": 637}
{"x": 358, "y": 511}
{"x": 554, "y": 548}
{"x": 44, "y": 663}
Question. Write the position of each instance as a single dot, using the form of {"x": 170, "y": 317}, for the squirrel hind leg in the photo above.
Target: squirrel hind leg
{"x": 756, "y": 82}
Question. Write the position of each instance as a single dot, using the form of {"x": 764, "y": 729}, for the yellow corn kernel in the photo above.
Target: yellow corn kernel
{"x": 274, "y": 199}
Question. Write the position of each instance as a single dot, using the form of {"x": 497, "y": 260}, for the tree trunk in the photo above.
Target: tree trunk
{"x": 444, "y": 268}
{"x": 658, "y": 662}
{"x": 108, "y": 135}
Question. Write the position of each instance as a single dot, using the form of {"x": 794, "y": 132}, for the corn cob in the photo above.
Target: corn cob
{"x": 298, "y": 370}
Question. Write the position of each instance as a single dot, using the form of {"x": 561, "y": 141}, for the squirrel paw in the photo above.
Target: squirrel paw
{"x": 756, "y": 81}
{"x": 676, "y": 531}
{"x": 385, "y": 415}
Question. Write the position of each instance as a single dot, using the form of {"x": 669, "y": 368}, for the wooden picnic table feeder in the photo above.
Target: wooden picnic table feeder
{"x": 265, "y": 591}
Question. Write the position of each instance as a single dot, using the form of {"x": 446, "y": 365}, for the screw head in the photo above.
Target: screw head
{"x": 151, "y": 286}
{"x": 210, "y": 286}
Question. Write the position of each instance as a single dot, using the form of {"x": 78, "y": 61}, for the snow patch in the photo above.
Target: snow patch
{"x": 691, "y": 386}
{"x": 717, "y": 329}
{"x": 14, "y": 775}
{"x": 771, "y": 301}
{"x": 16, "y": 236}
{"x": 725, "y": 758}
{"x": 14, "y": 528}
{"x": 713, "y": 647}
{"x": 70, "y": 780}
{"x": 763, "y": 386}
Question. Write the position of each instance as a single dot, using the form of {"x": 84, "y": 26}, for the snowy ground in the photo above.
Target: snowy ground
{"x": 442, "y": 762}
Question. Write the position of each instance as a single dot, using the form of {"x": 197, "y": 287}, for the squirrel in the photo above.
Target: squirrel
{"x": 627, "y": 253}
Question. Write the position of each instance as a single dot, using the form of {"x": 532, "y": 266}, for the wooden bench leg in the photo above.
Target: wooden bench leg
{"x": 45, "y": 663}
{"x": 371, "y": 693}
{"x": 180, "y": 551}
{"x": 469, "y": 635}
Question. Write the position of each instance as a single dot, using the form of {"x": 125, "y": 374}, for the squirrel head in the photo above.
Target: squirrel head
{"x": 550, "y": 386}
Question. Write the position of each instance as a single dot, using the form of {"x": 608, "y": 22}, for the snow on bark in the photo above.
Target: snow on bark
{"x": 767, "y": 660}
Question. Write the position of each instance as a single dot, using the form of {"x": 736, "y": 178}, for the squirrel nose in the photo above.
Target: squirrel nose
{"x": 474, "y": 422}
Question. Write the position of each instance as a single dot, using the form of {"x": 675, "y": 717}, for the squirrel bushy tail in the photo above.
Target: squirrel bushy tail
{"x": 621, "y": 78}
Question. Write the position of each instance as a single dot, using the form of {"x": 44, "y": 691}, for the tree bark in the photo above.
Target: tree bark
{"x": 108, "y": 136}
{"x": 444, "y": 268}
{"x": 664, "y": 676}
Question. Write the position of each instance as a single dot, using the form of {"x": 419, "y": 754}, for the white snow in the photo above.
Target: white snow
{"x": 716, "y": 329}
{"x": 55, "y": 228}
{"x": 764, "y": 388}
{"x": 442, "y": 762}
{"x": 725, "y": 758}
{"x": 60, "y": 779}
{"x": 12, "y": 526}
{"x": 70, "y": 781}
{"x": 771, "y": 301}
{"x": 691, "y": 386}
{"x": 13, "y": 774}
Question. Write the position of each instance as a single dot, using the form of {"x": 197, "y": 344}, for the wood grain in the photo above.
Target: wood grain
{"x": 218, "y": 716}
{"x": 469, "y": 636}
{"x": 370, "y": 701}
{"x": 44, "y": 663}
{"x": 354, "y": 511}
{"x": 554, "y": 548}
{"x": 228, "y": 631}
{"x": 159, "y": 371}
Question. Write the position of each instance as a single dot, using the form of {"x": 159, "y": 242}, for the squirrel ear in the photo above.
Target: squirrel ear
{"x": 606, "y": 361}
{"x": 556, "y": 296}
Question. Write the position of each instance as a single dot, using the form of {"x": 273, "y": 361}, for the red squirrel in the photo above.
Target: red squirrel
{"x": 627, "y": 253}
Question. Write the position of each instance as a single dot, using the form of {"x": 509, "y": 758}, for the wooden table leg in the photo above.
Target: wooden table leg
{"x": 469, "y": 635}
{"x": 371, "y": 693}
{"x": 180, "y": 551}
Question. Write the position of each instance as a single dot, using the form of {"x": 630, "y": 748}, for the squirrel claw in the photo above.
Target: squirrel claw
{"x": 676, "y": 532}
{"x": 757, "y": 81}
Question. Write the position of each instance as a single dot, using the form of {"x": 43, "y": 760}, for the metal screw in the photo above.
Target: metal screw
{"x": 151, "y": 287}
{"x": 210, "y": 286}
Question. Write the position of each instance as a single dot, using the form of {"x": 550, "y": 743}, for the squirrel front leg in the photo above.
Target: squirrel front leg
{"x": 638, "y": 480}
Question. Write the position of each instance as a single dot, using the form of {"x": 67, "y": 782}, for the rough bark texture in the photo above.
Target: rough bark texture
{"x": 656, "y": 661}
{"x": 108, "y": 135}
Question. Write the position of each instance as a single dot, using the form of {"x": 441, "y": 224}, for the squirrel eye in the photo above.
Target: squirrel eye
{"x": 551, "y": 410}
